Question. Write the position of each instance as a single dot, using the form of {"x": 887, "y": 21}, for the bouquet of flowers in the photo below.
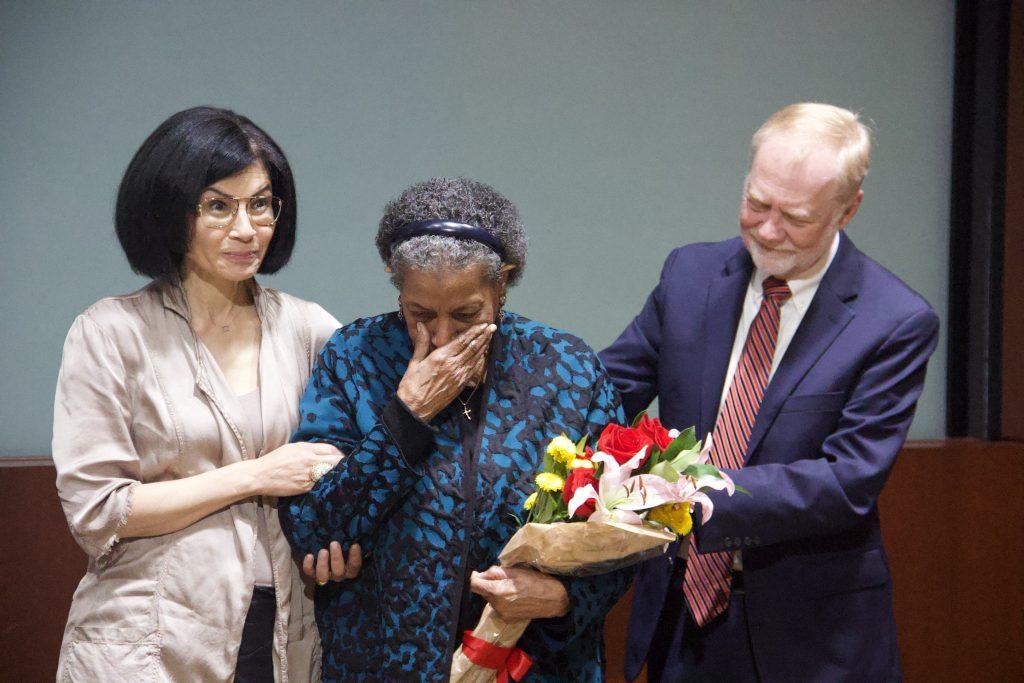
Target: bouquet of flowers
{"x": 594, "y": 512}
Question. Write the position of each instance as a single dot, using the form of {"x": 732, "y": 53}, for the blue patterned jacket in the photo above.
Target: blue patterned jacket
{"x": 425, "y": 520}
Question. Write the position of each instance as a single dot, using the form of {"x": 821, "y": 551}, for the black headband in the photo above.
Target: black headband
{"x": 445, "y": 228}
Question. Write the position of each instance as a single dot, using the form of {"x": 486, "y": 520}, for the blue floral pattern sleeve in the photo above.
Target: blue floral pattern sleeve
{"x": 349, "y": 502}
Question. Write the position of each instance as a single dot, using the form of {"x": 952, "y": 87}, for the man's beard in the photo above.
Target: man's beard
{"x": 786, "y": 264}
{"x": 772, "y": 261}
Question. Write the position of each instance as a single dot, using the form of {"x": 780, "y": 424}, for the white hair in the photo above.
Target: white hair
{"x": 835, "y": 126}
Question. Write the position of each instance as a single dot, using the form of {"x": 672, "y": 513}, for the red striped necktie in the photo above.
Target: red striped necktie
{"x": 709, "y": 575}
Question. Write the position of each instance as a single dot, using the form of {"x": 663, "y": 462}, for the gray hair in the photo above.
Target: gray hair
{"x": 462, "y": 200}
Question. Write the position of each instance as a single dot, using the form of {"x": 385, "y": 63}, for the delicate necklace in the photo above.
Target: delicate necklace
{"x": 225, "y": 325}
{"x": 465, "y": 404}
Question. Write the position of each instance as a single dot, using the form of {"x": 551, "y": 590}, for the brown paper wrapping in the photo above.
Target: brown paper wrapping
{"x": 566, "y": 549}
{"x": 493, "y": 629}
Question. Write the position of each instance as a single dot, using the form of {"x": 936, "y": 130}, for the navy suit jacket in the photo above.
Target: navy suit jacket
{"x": 833, "y": 418}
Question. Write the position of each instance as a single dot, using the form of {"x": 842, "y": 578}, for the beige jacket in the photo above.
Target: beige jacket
{"x": 139, "y": 399}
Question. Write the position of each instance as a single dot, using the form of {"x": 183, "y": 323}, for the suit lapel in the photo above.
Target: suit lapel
{"x": 721, "y": 314}
{"x": 826, "y": 317}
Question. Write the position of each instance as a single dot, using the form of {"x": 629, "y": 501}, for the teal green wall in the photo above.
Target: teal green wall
{"x": 619, "y": 128}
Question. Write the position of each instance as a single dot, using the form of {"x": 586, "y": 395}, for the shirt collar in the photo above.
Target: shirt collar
{"x": 802, "y": 289}
{"x": 173, "y": 298}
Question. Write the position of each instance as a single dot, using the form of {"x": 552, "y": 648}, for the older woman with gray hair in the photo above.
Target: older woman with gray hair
{"x": 444, "y": 408}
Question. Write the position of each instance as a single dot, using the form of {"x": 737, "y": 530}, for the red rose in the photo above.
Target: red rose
{"x": 578, "y": 478}
{"x": 655, "y": 431}
{"x": 622, "y": 443}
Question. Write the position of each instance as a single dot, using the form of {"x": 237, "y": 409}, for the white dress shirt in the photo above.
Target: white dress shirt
{"x": 790, "y": 316}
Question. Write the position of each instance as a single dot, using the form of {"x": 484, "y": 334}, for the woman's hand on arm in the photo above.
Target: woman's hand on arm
{"x": 285, "y": 471}
{"x": 434, "y": 378}
{"x": 166, "y": 506}
{"x": 518, "y": 593}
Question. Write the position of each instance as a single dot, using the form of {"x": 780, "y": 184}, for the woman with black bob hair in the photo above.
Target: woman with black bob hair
{"x": 444, "y": 408}
{"x": 172, "y": 414}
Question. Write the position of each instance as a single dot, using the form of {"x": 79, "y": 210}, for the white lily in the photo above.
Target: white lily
{"x": 610, "y": 493}
{"x": 687, "y": 492}
{"x": 620, "y": 495}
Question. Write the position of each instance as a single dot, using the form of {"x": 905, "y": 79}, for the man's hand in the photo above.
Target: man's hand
{"x": 331, "y": 564}
{"x": 517, "y": 594}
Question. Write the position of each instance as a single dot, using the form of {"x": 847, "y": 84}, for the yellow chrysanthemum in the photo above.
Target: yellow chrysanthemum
{"x": 676, "y": 516}
{"x": 562, "y": 450}
{"x": 530, "y": 500}
{"x": 548, "y": 481}
{"x": 580, "y": 463}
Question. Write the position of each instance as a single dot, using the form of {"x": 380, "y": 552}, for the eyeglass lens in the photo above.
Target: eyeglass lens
{"x": 262, "y": 210}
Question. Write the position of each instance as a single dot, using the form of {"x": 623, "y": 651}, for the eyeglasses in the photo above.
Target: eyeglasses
{"x": 220, "y": 211}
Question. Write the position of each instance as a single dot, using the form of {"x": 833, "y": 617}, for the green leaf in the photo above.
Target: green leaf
{"x": 666, "y": 472}
{"x": 703, "y": 470}
{"x": 654, "y": 459}
{"x": 672, "y": 450}
{"x": 549, "y": 462}
{"x": 689, "y": 438}
{"x": 531, "y": 515}
{"x": 744, "y": 491}
{"x": 685, "y": 459}
{"x": 686, "y": 441}
{"x": 549, "y": 507}
{"x": 541, "y": 511}
{"x": 639, "y": 416}
{"x": 581, "y": 445}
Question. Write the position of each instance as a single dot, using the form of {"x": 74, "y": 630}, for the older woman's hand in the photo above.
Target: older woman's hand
{"x": 516, "y": 593}
{"x": 434, "y": 379}
{"x": 332, "y": 565}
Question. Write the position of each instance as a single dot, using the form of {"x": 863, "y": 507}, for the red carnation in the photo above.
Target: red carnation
{"x": 622, "y": 443}
{"x": 578, "y": 478}
{"x": 653, "y": 428}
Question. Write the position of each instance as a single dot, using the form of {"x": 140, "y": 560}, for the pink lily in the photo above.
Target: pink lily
{"x": 619, "y": 496}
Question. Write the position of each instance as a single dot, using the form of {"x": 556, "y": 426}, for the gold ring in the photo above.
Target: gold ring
{"x": 318, "y": 470}
{"x": 321, "y": 583}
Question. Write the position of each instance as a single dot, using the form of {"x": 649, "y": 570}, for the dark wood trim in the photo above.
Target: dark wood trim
{"x": 974, "y": 335}
{"x": 952, "y": 518}
{"x": 25, "y": 461}
{"x": 1013, "y": 264}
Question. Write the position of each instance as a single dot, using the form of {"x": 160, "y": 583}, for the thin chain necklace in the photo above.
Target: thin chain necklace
{"x": 225, "y": 325}
{"x": 466, "y": 410}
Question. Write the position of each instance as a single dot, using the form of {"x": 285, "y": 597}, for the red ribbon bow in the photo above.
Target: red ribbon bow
{"x": 507, "y": 661}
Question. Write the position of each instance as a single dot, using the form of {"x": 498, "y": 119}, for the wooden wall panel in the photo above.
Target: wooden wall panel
{"x": 952, "y": 515}
{"x": 953, "y": 522}
{"x": 40, "y": 567}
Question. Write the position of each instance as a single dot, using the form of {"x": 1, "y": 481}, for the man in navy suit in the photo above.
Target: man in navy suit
{"x": 805, "y": 358}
